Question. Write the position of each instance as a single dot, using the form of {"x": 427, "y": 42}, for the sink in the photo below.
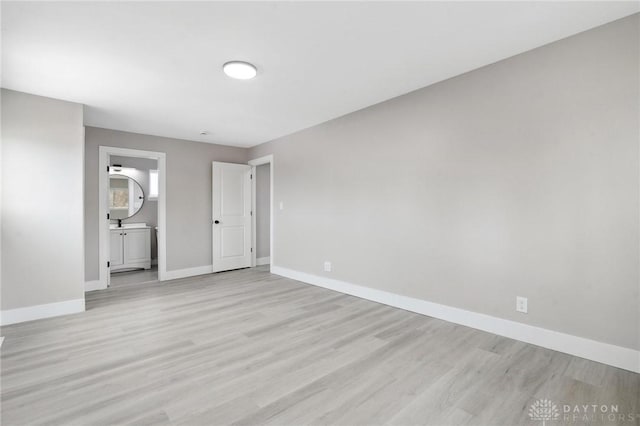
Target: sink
{"x": 128, "y": 225}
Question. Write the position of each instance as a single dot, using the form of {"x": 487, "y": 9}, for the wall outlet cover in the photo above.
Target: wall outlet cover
{"x": 522, "y": 304}
{"x": 327, "y": 266}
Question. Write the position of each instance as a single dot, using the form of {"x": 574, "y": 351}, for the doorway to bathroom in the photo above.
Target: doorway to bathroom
{"x": 133, "y": 212}
{"x": 132, "y": 216}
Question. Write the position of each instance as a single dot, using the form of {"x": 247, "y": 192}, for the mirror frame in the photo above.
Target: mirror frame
{"x": 144, "y": 196}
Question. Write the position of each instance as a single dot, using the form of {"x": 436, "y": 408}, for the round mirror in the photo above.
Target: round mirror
{"x": 126, "y": 197}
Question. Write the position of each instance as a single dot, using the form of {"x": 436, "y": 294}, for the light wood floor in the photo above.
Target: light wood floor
{"x": 250, "y": 348}
{"x": 139, "y": 276}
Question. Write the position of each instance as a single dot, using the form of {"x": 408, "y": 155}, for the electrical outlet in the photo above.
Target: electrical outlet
{"x": 281, "y": 205}
{"x": 327, "y": 266}
{"x": 521, "y": 304}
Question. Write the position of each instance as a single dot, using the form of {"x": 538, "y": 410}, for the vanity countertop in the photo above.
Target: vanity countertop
{"x": 130, "y": 226}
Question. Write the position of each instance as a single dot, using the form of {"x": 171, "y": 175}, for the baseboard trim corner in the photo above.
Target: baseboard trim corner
{"x": 188, "y": 272}
{"x": 616, "y": 356}
{"x": 30, "y": 313}
{"x": 93, "y": 285}
{"x": 263, "y": 260}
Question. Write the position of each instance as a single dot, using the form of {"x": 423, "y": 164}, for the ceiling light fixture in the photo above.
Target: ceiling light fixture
{"x": 240, "y": 70}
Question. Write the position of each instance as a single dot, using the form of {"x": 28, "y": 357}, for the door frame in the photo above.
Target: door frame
{"x": 267, "y": 159}
{"x": 105, "y": 153}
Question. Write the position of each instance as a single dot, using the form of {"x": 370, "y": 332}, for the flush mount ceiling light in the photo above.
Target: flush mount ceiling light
{"x": 240, "y": 70}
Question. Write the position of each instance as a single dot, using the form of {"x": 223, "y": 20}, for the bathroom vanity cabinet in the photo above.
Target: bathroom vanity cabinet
{"x": 130, "y": 248}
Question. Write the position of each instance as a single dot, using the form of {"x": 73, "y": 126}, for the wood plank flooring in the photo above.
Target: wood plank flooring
{"x": 250, "y": 348}
{"x": 139, "y": 276}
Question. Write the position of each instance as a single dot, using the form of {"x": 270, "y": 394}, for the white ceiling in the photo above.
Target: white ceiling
{"x": 155, "y": 67}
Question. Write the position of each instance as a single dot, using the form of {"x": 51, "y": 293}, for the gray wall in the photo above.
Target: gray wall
{"x": 519, "y": 178}
{"x": 263, "y": 213}
{"x": 188, "y": 193}
{"x": 149, "y": 211}
{"x": 42, "y": 201}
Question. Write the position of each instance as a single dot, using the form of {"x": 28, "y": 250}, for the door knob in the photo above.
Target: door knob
{"x": 216, "y": 222}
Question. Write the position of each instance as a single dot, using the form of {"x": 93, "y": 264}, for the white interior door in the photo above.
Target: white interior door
{"x": 231, "y": 194}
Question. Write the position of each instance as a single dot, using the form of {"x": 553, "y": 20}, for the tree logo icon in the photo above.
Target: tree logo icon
{"x": 544, "y": 410}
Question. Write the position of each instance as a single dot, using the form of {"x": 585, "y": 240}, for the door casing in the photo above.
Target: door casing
{"x": 267, "y": 159}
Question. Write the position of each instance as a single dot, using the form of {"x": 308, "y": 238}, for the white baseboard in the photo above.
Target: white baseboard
{"x": 13, "y": 316}
{"x": 93, "y": 285}
{"x": 263, "y": 260}
{"x": 188, "y": 272}
{"x": 605, "y": 353}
